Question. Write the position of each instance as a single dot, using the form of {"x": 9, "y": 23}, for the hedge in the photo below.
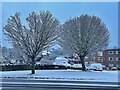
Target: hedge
{"x": 28, "y": 67}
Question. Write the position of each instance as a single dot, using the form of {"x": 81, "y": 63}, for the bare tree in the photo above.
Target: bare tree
{"x": 32, "y": 39}
{"x": 10, "y": 55}
{"x": 83, "y": 35}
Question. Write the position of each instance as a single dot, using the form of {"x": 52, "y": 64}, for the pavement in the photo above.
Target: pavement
{"x": 26, "y": 84}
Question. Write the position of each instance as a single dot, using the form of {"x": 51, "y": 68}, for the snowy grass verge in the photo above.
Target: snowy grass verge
{"x": 101, "y": 76}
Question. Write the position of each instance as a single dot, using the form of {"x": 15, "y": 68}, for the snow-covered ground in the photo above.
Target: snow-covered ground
{"x": 103, "y": 76}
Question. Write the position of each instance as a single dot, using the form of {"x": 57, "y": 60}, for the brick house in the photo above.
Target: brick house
{"x": 109, "y": 58}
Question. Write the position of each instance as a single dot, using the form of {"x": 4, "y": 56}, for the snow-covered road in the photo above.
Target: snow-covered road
{"x": 55, "y": 84}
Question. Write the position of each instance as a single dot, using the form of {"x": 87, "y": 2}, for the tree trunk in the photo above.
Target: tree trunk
{"x": 33, "y": 66}
{"x": 83, "y": 63}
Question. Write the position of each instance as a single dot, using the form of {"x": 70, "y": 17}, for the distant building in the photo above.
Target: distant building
{"x": 45, "y": 61}
{"x": 109, "y": 58}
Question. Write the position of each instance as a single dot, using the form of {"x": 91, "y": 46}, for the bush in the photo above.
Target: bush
{"x": 28, "y": 67}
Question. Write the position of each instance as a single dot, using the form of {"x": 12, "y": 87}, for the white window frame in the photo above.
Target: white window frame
{"x": 117, "y": 52}
{"x": 86, "y": 57}
{"x": 110, "y": 52}
{"x": 100, "y": 59}
{"x": 110, "y": 57}
{"x": 100, "y": 53}
{"x": 117, "y": 59}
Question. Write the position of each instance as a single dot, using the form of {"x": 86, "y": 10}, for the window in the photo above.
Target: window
{"x": 118, "y": 59}
{"x": 111, "y": 65}
{"x": 110, "y": 52}
{"x": 110, "y": 58}
{"x": 117, "y": 65}
{"x": 86, "y": 57}
{"x": 64, "y": 62}
{"x": 100, "y": 53}
{"x": 93, "y": 58}
{"x": 117, "y": 52}
{"x": 100, "y": 59}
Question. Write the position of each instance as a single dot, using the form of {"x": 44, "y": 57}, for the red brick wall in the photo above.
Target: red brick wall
{"x": 105, "y": 57}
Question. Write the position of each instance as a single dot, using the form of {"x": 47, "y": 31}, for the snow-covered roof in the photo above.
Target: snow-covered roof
{"x": 45, "y": 52}
{"x": 56, "y": 46}
{"x": 61, "y": 58}
{"x": 77, "y": 65}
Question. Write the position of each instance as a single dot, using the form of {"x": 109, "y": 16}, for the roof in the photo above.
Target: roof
{"x": 61, "y": 58}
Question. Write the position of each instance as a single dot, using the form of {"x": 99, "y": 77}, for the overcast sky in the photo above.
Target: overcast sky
{"x": 107, "y": 11}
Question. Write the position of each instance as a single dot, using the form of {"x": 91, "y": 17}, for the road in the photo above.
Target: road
{"x": 25, "y": 84}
